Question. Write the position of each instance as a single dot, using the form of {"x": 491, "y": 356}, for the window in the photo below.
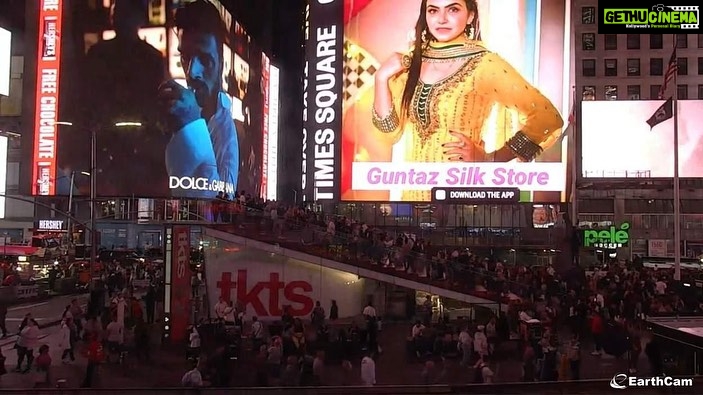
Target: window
{"x": 633, "y": 67}
{"x": 700, "y": 66}
{"x": 700, "y": 41}
{"x": 611, "y": 67}
{"x": 654, "y": 92}
{"x": 633, "y": 92}
{"x": 700, "y": 91}
{"x": 588, "y": 41}
{"x": 656, "y": 66}
{"x": 611, "y": 92}
{"x": 656, "y": 41}
{"x": 633, "y": 41}
{"x": 589, "y": 67}
{"x": 588, "y": 15}
{"x": 682, "y": 41}
{"x": 588, "y": 93}
{"x": 611, "y": 41}
{"x": 682, "y": 92}
{"x": 682, "y": 64}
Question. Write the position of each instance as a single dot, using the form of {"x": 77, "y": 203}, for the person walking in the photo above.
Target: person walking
{"x": 27, "y": 342}
{"x": 3, "y": 318}
{"x": 95, "y": 354}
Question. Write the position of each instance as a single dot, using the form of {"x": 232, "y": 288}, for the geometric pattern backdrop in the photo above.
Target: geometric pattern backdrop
{"x": 359, "y": 69}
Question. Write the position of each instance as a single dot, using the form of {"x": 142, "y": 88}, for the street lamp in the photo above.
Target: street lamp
{"x": 93, "y": 183}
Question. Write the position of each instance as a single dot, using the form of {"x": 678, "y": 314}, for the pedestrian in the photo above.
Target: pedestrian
{"x": 3, "y": 318}
{"x": 67, "y": 338}
{"x": 368, "y": 370}
{"x": 26, "y": 343}
{"x": 334, "y": 311}
{"x": 44, "y": 366}
{"x": 95, "y": 354}
{"x": 193, "y": 378}
{"x": 3, "y": 369}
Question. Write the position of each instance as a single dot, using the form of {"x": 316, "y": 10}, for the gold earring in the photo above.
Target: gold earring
{"x": 423, "y": 36}
{"x": 471, "y": 32}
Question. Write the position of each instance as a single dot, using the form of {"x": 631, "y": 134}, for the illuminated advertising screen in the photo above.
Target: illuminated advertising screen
{"x": 272, "y": 113}
{"x": 3, "y": 174}
{"x": 457, "y": 94}
{"x": 166, "y": 96}
{"x": 617, "y": 141}
{"x": 5, "y": 59}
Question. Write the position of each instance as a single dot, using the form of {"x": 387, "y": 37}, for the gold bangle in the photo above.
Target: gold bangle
{"x": 524, "y": 148}
{"x": 387, "y": 124}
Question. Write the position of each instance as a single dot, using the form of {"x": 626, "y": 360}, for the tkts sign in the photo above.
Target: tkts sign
{"x": 266, "y": 298}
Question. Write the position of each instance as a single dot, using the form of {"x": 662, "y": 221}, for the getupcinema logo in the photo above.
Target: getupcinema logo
{"x": 622, "y": 381}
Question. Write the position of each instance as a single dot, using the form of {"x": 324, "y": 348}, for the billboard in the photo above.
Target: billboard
{"x": 170, "y": 91}
{"x": 180, "y": 283}
{"x": 270, "y": 84}
{"x": 452, "y": 97}
{"x": 4, "y": 143}
{"x": 5, "y": 60}
{"x": 617, "y": 142}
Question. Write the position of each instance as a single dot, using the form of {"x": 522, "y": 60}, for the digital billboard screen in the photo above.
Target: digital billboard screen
{"x": 5, "y": 60}
{"x": 172, "y": 92}
{"x": 457, "y": 94}
{"x": 617, "y": 141}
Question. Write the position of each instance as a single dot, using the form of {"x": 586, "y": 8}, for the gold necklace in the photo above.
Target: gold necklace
{"x": 450, "y": 53}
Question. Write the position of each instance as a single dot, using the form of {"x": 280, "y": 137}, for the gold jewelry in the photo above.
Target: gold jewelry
{"x": 387, "y": 124}
{"x": 406, "y": 61}
{"x": 471, "y": 32}
{"x": 451, "y": 53}
{"x": 423, "y": 36}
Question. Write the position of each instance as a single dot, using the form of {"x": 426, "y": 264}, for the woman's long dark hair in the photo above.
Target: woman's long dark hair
{"x": 416, "y": 63}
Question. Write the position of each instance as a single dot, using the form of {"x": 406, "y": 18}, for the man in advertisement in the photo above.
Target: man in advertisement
{"x": 122, "y": 77}
{"x": 202, "y": 157}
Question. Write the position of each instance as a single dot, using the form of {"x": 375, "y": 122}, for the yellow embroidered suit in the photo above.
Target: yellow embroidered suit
{"x": 487, "y": 100}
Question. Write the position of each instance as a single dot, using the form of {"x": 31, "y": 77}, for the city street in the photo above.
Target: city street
{"x": 46, "y": 312}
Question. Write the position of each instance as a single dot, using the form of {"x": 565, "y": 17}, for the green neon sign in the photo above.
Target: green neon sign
{"x": 607, "y": 238}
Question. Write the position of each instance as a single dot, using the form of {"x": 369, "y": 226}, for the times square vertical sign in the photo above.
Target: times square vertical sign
{"x": 47, "y": 97}
{"x": 322, "y": 100}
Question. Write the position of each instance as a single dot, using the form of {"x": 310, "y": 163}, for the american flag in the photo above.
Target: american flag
{"x": 671, "y": 69}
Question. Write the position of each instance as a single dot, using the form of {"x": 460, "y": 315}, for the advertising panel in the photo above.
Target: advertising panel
{"x": 457, "y": 94}
{"x": 3, "y": 173}
{"x": 180, "y": 309}
{"x": 270, "y": 86}
{"x": 266, "y": 284}
{"x": 5, "y": 60}
{"x": 273, "y": 113}
{"x": 617, "y": 141}
{"x": 171, "y": 91}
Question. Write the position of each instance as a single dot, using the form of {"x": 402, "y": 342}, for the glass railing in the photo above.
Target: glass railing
{"x": 314, "y": 239}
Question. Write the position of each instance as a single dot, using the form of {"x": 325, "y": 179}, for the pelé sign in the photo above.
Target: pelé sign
{"x": 607, "y": 238}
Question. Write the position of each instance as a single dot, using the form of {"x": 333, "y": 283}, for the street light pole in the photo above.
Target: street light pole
{"x": 93, "y": 190}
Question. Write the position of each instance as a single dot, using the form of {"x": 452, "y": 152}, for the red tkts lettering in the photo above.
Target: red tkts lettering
{"x": 293, "y": 293}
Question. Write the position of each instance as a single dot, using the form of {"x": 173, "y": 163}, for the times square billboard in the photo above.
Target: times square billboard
{"x": 456, "y": 94}
{"x": 171, "y": 97}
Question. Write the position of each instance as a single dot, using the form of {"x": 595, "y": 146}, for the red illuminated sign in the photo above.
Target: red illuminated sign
{"x": 265, "y": 72}
{"x": 294, "y": 294}
{"x": 180, "y": 283}
{"x": 47, "y": 97}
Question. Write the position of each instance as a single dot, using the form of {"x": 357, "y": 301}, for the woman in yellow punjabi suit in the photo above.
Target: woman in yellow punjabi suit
{"x": 456, "y": 100}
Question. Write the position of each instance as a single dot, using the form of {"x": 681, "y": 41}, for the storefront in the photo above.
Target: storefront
{"x": 602, "y": 243}
{"x": 118, "y": 235}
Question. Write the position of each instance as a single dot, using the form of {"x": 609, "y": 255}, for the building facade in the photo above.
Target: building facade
{"x": 632, "y": 67}
{"x": 17, "y": 212}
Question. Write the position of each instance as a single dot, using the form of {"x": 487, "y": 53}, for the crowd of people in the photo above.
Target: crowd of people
{"x": 604, "y": 307}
